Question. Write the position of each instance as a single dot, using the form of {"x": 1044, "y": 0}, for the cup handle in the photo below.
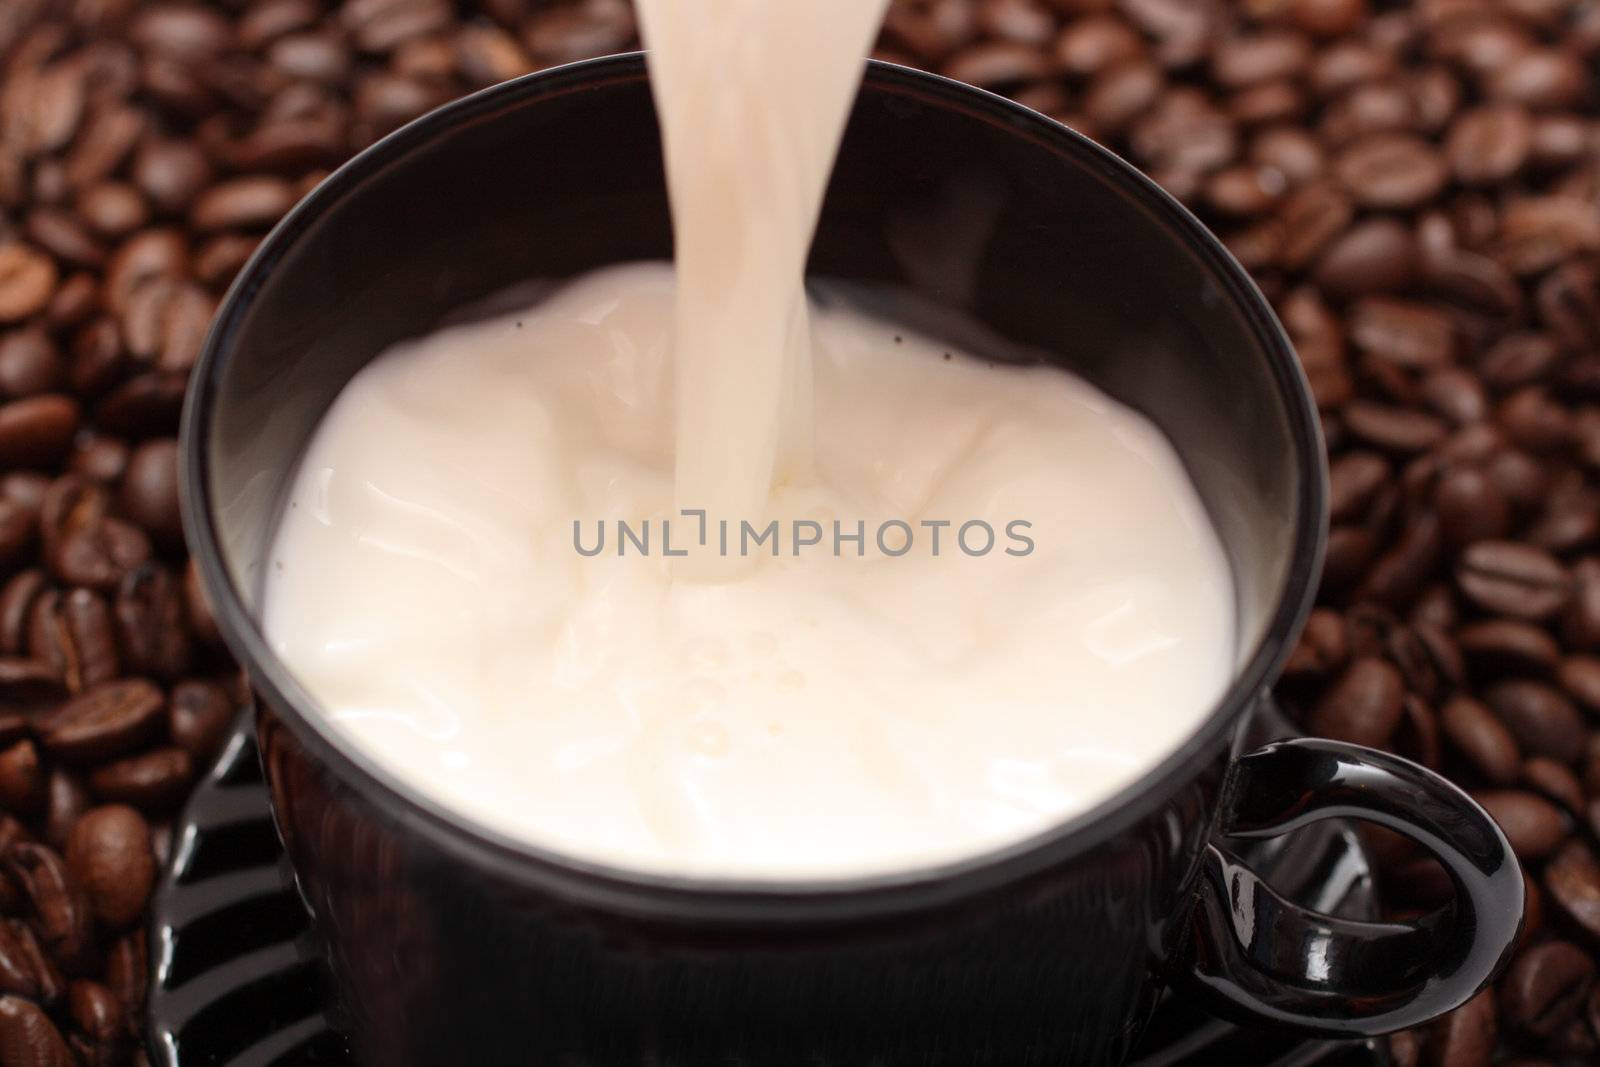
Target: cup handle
{"x": 1256, "y": 957}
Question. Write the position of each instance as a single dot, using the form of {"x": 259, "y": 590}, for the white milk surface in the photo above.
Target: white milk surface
{"x": 816, "y": 715}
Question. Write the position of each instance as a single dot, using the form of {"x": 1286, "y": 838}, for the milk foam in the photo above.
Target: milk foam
{"x": 820, "y": 716}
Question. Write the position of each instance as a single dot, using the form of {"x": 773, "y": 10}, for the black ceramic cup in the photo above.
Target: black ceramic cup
{"x": 453, "y": 945}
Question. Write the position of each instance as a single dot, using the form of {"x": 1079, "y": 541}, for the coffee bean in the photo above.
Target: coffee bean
{"x": 28, "y": 1038}
{"x": 146, "y": 405}
{"x": 1544, "y": 722}
{"x": 98, "y": 554}
{"x": 1513, "y": 579}
{"x": 1094, "y": 43}
{"x": 1391, "y": 170}
{"x": 1545, "y": 79}
{"x": 242, "y": 203}
{"x": 99, "y": 1023}
{"x": 1311, "y": 218}
{"x": 109, "y": 854}
{"x": 1472, "y": 730}
{"x": 1118, "y": 95}
{"x": 1378, "y": 255}
{"x": 1398, "y": 574}
{"x": 66, "y": 799}
{"x": 219, "y": 259}
{"x": 1503, "y": 646}
{"x": 1569, "y": 304}
{"x": 1363, "y": 707}
{"x": 1405, "y": 333}
{"x": 22, "y": 778}
{"x": 1328, "y": 18}
{"x": 30, "y": 363}
{"x": 149, "y": 492}
{"x": 202, "y": 718}
{"x": 27, "y": 281}
{"x": 61, "y": 915}
{"x": 1555, "y": 781}
{"x": 1534, "y": 826}
{"x": 150, "y": 623}
{"x": 1519, "y": 359}
{"x": 152, "y": 782}
{"x": 107, "y": 721}
{"x": 17, "y": 975}
{"x": 1537, "y": 233}
{"x": 99, "y": 458}
{"x": 148, "y": 254}
{"x": 1580, "y": 677}
{"x": 1466, "y": 1036}
{"x": 1572, "y": 881}
{"x": 1489, "y": 144}
{"x": 36, "y": 430}
{"x": 127, "y": 972}
{"x": 1546, "y": 986}
{"x": 1395, "y": 429}
{"x": 1241, "y": 61}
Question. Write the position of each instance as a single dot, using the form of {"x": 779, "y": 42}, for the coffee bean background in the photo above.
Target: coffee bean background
{"x": 1415, "y": 186}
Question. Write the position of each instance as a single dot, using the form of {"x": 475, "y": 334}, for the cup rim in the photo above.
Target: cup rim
{"x": 618, "y": 888}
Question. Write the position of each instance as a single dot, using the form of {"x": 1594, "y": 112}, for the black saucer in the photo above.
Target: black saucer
{"x": 239, "y": 983}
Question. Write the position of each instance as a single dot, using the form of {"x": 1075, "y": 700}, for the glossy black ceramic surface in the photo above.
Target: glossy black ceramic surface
{"x": 452, "y": 945}
{"x": 239, "y": 980}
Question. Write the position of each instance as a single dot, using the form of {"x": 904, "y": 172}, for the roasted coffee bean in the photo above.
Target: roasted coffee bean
{"x": 127, "y": 972}
{"x": 1408, "y": 334}
{"x": 27, "y": 281}
{"x": 35, "y": 431}
{"x": 28, "y": 1038}
{"x": 153, "y": 781}
{"x": 1546, "y": 986}
{"x": 201, "y": 718}
{"x": 1471, "y": 507}
{"x": 99, "y": 458}
{"x": 149, "y": 492}
{"x": 1353, "y": 481}
{"x": 1555, "y": 781}
{"x": 1544, "y": 78}
{"x": 22, "y": 778}
{"x": 60, "y": 911}
{"x": 1466, "y": 1036}
{"x": 1394, "y": 429}
{"x": 1364, "y": 706}
{"x": 1544, "y": 722}
{"x": 66, "y": 800}
{"x": 1391, "y": 170}
{"x": 30, "y": 363}
{"x": 1513, "y": 579}
{"x": 17, "y": 975}
{"x": 1572, "y": 882}
{"x": 99, "y": 1024}
{"x": 1472, "y": 730}
{"x": 146, "y": 405}
{"x": 1378, "y": 255}
{"x": 150, "y": 623}
{"x": 1399, "y": 574}
{"x": 109, "y": 853}
{"x": 1537, "y": 233}
{"x": 242, "y": 203}
{"x": 1509, "y": 646}
{"x": 1534, "y": 826}
{"x": 105, "y": 721}
{"x": 1580, "y": 677}
{"x": 1311, "y": 218}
